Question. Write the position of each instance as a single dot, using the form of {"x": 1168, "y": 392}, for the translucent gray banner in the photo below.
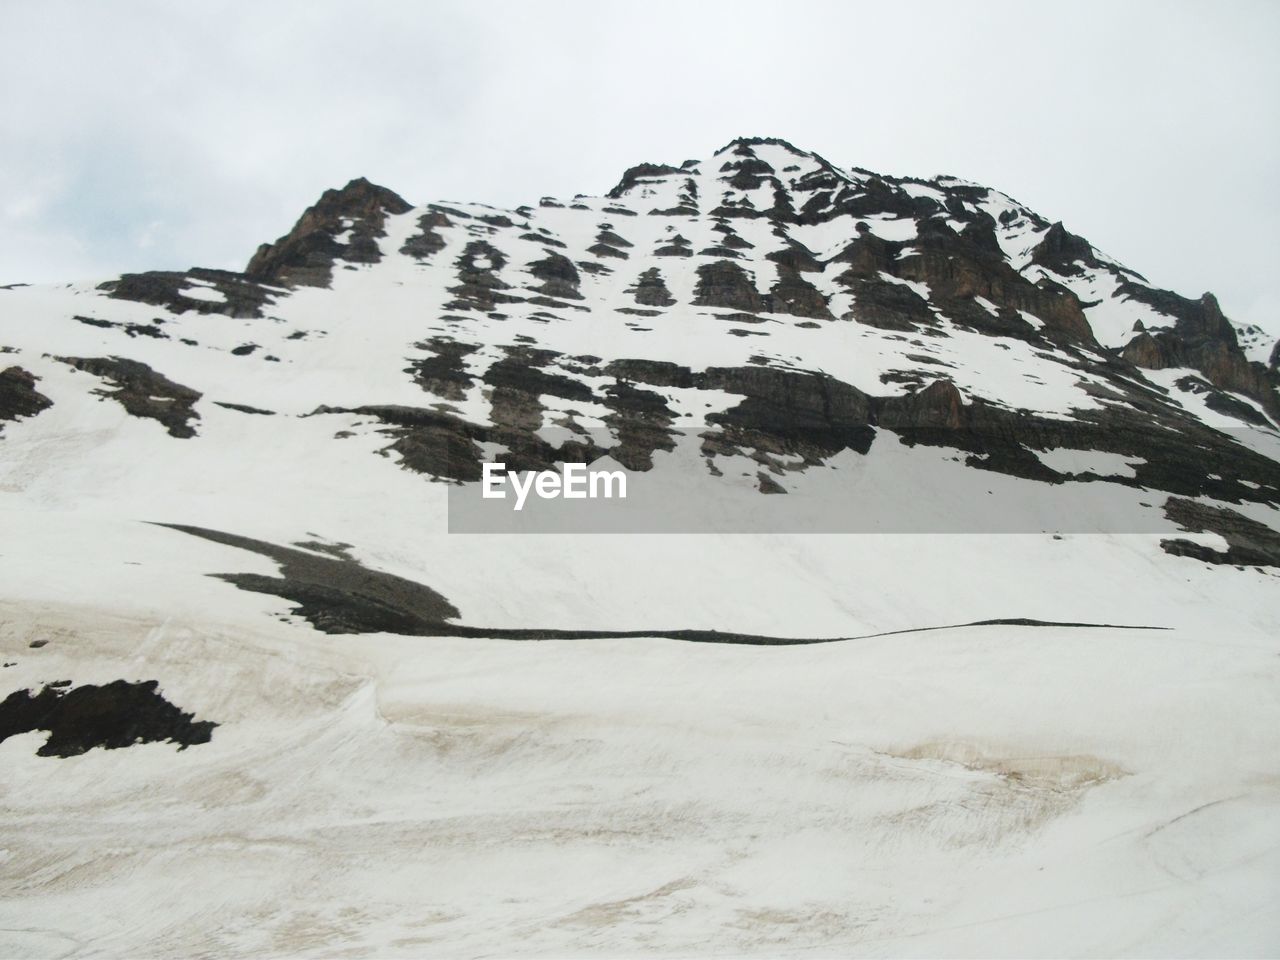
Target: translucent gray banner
{"x": 717, "y": 481}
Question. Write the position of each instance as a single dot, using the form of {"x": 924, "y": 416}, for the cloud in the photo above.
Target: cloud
{"x": 151, "y": 134}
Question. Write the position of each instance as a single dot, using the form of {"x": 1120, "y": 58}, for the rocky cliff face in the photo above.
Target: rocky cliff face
{"x": 343, "y": 225}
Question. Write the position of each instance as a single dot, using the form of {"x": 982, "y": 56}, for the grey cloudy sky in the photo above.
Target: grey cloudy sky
{"x": 138, "y": 135}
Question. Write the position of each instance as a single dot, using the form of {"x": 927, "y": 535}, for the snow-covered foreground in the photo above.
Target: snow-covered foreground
{"x": 998, "y": 790}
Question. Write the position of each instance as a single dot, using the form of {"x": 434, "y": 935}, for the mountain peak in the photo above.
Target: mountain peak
{"x": 744, "y": 145}
{"x": 343, "y": 223}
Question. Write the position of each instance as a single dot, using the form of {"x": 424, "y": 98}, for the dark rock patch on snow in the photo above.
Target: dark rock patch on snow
{"x": 143, "y": 392}
{"x": 236, "y": 295}
{"x": 1249, "y": 543}
{"x": 19, "y": 396}
{"x": 113, "y": 715}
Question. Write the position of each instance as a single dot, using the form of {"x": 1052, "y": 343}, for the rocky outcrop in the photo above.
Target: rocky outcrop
{"x": 788, "y": 413}
{"x": 558, "y": 275}
{"x": 1202, "y": 339}
{"x": 676, "y": 246}
{"x": 143, "y": 392}
{"x": 427, "y": 241}
{"x": 650, "y": 289}
{"x": 342, "y": 225}
{"x": 957, "y": 270}
{"x": 886, "y": 305}
{"x": 1063, "y": 252}
{"x": 335, "y": 594}
{"x": 444, "y": 373}
{"x": 479, "y": 285}
{"x": 198, "y": 290}
{"x": 1249, "y": 543}
{"x": 641, "y": 421}
{"x": 725, "y": 284}
{"x": 938, "y": 406}
{"x": 795, "y": 296}
{"x": 19, "y": 396}
{"x": 111, "y": 716}
{"x": 639, "y": 174}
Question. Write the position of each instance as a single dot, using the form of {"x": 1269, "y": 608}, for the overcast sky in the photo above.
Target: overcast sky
{"x": 161, "y": 134}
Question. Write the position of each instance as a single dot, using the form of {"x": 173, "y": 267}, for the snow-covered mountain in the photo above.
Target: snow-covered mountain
{"x": 1048, "y": 725}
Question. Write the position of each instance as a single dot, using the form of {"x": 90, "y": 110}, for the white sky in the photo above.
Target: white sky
{"x": 137, "y": 135}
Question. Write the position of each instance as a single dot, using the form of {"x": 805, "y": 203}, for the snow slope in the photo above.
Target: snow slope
{"x": 1095, "y": 775}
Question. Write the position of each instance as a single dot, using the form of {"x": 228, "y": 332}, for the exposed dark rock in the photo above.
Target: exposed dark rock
{"x": 793, "y": 295}
{"x": 543, "y": 238}
{"x": 429, "y": 442}
{"x": 522, "y": 370}
{"x": 151, "y": 330}
{"x": 445, "y": 372}
{"x": 305, "y": 255}
{"x": 243, "y": 408}
{"x": 656, "y": 373}
{"x": 1222, "y": 402}
{"x": 519, "y": 383}
{"x": 981, "y": 232}
{"x": 1249, "y": 543}
{"x": 732, "y": 241}
{"x": 426, "y": 242}
{"x": 558, "y": 275}
{"x": 143, "y": 392}
{"x": 957, "y": 270}
{"x": 766, "y": 484}
{"x": 750, "y": 173}
{"x": 1202, "y": 339}
{"x": 886, "y": 305}
{"x": 606, "y": 250}
{"x": 19, "y": 396}
{"x": 641, "y": 173}
{"x": 1063, "y": 252}
{"x": 677, "y": 246}
{"x": 479, "y": 286}
{"x": 868, "y": 255}
{"x": 243, "y": 297}
{"x": 612, "y": 239}
{"x": 113, "y": 715}
{"x": 651, "y": 290}
{"x": 641, "y": 420}
{"x": 939, "y": 405}
{"x": 721, "y": 252}
{"x": 336, "y": 594}
{"x": 743, "y": 208}
{"x": 789, "y": 413}
{"x": 725, "y": 284}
